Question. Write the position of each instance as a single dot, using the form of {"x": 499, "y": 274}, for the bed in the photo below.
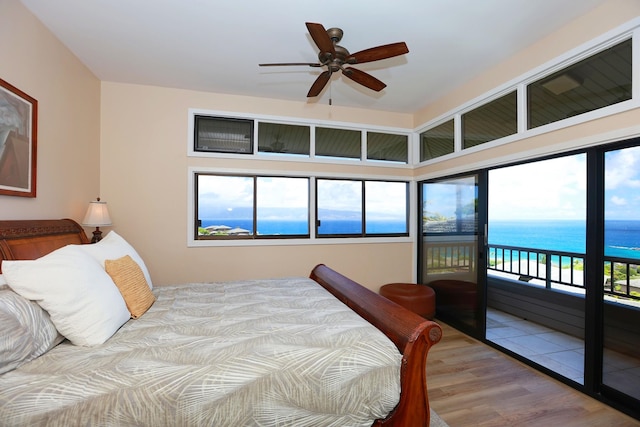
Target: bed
{"x": 204, "y": 353}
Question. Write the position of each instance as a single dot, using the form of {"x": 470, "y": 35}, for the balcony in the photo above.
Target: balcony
{"x": 565, "y": 271}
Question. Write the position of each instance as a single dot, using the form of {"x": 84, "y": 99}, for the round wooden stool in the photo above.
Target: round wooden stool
{"x": 418, "y": 298}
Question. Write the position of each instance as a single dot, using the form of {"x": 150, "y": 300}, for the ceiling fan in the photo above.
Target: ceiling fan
{"x": 337, "y": 58}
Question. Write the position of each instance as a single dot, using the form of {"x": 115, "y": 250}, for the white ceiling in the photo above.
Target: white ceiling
{"x": 215, "y": 46}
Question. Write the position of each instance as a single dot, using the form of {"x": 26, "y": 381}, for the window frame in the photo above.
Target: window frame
{"x": 313, "y": 238}
{"x": 363, "y": 213}
{"x": 258, "y": 154}
{"x": 255, "y": 209}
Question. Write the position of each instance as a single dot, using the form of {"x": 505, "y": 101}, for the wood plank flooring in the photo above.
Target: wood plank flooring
{"x": 472, "y": 384}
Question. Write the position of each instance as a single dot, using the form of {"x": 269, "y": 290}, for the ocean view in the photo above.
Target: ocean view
{"x": 622, "y": 238}
{"x": 277, "y": 227}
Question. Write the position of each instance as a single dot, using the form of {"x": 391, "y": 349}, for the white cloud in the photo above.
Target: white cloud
{"x": 619, "y": 201}
{"x": 549, "y": 189}
{"x": 621, "y": 168}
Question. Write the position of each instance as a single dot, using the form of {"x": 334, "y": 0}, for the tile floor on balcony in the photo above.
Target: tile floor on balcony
{"x": 560, "y": 352}
{"x": 557, "y": 351}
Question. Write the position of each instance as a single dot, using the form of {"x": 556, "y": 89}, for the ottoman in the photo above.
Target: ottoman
{"x": 418, "y": 298}
{"x": 456, "y": 295}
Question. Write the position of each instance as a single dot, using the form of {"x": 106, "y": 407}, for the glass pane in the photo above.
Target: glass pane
{"x": 386, "y": 207}
{"x": 449, "y": 206}
{"x": 225, "y": 205}
{"x": 494, "y": 120}
{"x": 223, "y": 135}
{"x": 621, "y": 359}
{"x": 437, "y": 141}
{"x": 535, "y": 262}
{"x": 386, "y": 146}
{"x": 339, "y": 207}
{"x": 338, "y": 143}
{"x": 601, "y": 80}
{"x": 283, "y": 139}
{"x": 449, "y": 248}
{"x": 282, "y": 206}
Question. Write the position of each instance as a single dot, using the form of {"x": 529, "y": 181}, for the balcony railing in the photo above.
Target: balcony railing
{"x": 558, "y": 269}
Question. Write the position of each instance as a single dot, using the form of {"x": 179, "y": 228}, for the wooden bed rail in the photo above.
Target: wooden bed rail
{"x": 412, "y": 334}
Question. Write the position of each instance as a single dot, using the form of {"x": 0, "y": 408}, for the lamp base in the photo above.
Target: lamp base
{"x": 97, "y": 235}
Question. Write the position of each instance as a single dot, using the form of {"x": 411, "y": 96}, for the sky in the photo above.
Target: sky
{"x": 552, "y": 189}
{"x": 556, "y": 189}
{"x": 384, "y": 200}
{"x": 622, "y": 184}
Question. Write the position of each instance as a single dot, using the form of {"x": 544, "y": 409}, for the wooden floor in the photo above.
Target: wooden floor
{"x": 472, "y": 384}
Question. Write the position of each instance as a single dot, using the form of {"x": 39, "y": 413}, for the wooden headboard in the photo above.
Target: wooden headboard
{"x": 33, "y": 238}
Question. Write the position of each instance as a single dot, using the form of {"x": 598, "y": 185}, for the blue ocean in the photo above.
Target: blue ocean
{"x": 276, "y": 227}
{"x": 622, "y": 238}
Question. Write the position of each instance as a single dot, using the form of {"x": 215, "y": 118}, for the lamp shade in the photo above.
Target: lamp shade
{"x": 97, "y": 215}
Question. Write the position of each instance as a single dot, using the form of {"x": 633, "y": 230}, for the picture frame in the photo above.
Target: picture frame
{"x": 18, "y": 142}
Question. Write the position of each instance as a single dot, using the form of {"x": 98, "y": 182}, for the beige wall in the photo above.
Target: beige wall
{"x": 68, "y": 96}
{"x": 144, "y": 177}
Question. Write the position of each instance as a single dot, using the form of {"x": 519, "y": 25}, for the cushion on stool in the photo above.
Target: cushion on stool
{"x": 418, "y": 298}
{"x": 456, "y": 294}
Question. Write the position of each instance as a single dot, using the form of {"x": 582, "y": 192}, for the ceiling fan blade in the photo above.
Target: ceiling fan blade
{"x": 364, "y": 79}
{"x": 284, "y": 64}
{"x": 319, "y": 84}
{"x": 321, "y": 38}
{"x": 379, "y": 52}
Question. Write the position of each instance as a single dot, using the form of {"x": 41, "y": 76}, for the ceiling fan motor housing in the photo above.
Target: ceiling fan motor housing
{"x": 336, "y": 62}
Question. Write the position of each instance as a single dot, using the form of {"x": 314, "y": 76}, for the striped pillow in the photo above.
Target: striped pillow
{"x": 26, "y": 331}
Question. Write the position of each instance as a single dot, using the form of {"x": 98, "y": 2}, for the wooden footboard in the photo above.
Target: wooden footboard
{"x": 412, "y": 334}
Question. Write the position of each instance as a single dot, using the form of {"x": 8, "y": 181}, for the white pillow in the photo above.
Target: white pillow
{"x": 113, "y": 246}
{"x": 83, "y": 302}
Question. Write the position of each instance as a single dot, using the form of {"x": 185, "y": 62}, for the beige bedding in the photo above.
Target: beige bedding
{"x": 266, "y": 352}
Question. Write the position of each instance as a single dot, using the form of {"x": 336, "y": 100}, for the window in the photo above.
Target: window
{"x": 223, "y": 135}
{"x": 338, "y": 143}
{"x": 385, "y": 207}
{"x": 598, "y": 81}
{"x": 493, "y": 120}
{"x": 344, "y": 206}
{"x": 386, "y": 146}
{"x": 280, "y": 138}
{"x": 245, "y": 207}
{"x": 537, "y": 216}
{"x": 437, "y": 141}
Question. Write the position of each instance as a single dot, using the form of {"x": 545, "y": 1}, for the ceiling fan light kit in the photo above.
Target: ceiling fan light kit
{"x": 336, "y": 58}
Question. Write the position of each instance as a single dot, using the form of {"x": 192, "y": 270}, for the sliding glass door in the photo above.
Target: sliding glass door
{"x": 553, "y": 278}
{"x": 536, "y": 281}
{"x": 621, "y": 295}
{"x": 451, "y": 249}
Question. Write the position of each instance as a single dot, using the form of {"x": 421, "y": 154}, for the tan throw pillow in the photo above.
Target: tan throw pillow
{"x": 130, "y": 280}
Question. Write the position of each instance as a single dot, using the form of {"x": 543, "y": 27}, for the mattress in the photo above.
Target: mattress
{"x": 277, "y": 352}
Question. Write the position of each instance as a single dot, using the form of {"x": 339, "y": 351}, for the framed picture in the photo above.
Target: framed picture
{"x": 18, "y": 137}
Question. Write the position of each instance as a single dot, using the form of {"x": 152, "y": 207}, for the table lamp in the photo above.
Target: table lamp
{"x": 97, "y": 216}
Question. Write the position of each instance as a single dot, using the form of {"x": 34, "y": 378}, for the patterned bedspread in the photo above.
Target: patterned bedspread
{"x": 279, "y": 352}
